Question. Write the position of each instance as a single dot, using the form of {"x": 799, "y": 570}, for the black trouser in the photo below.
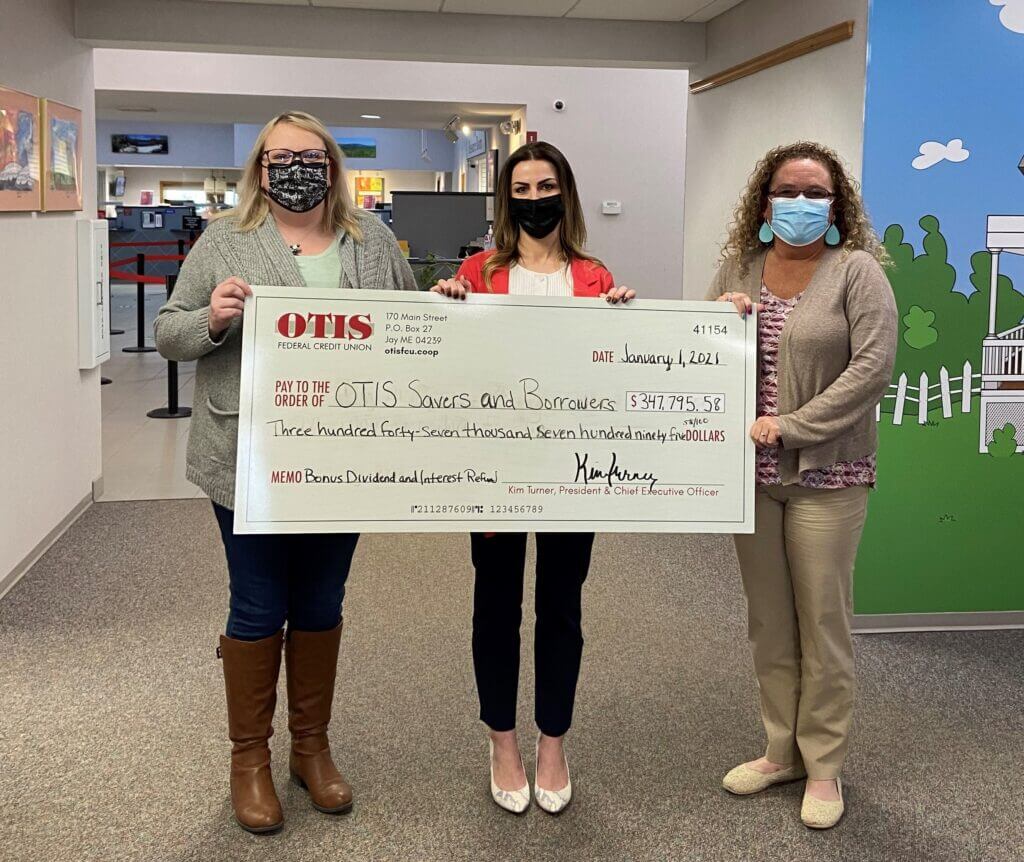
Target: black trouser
{"x": 563, "y": 560}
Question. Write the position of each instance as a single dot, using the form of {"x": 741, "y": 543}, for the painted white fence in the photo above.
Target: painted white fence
{"x": 925, "y": 394}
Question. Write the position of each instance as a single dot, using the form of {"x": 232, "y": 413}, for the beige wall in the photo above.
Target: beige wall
{"x": 819, "y": 96}
{"x": 50, "y": 413}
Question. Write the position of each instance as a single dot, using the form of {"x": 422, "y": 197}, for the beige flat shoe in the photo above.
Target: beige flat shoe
{"x": 821, "y": 813}
{"x": 516, "y": 801}
{"x": 745, "y": 780}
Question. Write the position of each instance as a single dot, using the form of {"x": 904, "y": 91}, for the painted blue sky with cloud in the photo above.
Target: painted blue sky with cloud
{"x": 940, "y": 70}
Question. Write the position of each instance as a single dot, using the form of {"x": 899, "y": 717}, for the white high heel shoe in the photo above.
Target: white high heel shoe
{"x": 553, "y": 801}
{"x": 516, "y": 801}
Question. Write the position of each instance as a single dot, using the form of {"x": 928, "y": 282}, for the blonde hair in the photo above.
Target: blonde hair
{"x": 572, "y": 232}
{"x": 253, "y": 208}
{"x": 851, "y": 219}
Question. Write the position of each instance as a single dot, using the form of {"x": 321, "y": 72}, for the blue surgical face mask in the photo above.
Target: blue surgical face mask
{"x": 800, "y": 221}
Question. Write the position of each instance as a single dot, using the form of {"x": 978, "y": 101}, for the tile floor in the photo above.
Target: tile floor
{"x": 143, "y": 458}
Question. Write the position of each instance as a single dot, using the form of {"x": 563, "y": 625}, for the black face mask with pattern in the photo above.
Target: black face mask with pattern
{"x": 297, "y": 187}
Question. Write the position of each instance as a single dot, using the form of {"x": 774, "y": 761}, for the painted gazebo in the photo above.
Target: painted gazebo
{"x": 1002, "y": 372}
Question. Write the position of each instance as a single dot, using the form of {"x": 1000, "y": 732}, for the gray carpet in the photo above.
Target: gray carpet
{"x": 112, "y": 742}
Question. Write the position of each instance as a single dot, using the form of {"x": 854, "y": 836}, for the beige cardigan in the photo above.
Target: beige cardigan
{"x": 836, "y": 355}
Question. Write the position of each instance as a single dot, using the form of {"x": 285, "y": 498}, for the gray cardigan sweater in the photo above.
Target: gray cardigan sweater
{"x": 836, "y": 355}
{"x": 182, "y": 329}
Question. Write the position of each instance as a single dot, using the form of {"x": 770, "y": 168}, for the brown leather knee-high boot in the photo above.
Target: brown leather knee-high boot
{"x": 251, "y": 669}
{"x": 311, "y": 659}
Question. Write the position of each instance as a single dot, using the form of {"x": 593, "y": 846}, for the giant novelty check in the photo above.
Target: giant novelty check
{"x": 379, "y": 411}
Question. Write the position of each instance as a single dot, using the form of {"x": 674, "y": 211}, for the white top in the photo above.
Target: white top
{"x": 525, "y": 282}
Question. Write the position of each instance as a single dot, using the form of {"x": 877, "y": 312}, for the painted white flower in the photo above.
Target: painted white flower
{"x": 1011, "y": 16}
{"x": 933, "y": 152}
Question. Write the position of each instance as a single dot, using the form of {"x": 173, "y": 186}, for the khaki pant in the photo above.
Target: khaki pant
{"x": 798, "y": 575}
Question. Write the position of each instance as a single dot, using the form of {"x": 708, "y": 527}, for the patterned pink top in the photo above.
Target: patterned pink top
{"x": 843, "y": 474}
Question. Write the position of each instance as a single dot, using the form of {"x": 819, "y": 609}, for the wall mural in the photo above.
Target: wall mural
{"x": 944, "y": 183}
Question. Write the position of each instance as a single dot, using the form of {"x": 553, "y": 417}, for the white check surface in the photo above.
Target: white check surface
{"x": 373, "y": 411}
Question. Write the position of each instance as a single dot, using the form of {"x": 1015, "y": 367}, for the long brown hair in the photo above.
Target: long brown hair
{"x": 252, "y": 210}
{"x": 851, "y": 219}
{"x": 572, "y": 232}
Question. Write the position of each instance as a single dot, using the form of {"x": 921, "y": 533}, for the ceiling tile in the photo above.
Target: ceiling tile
{"x": 712, "y": 10}
{"x": 637, "y": 10}
{"x": 266, "y": 2}
{"x": 386, "y": 5}
{"x": 537, "y": 8}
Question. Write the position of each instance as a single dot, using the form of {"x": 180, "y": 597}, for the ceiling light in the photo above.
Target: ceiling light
{"x": 466, "y": 130}
{"x": 371, "y": 116}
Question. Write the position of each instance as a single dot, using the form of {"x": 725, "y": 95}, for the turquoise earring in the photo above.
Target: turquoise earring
{"x": 832, "y": 235}
{"x": 766, "y": 234}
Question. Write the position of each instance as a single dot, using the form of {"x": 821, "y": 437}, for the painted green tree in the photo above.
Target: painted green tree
{"x": 938, "y": 325}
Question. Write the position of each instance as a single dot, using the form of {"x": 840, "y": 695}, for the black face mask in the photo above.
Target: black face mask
{"x": 537, "y": 217}
{"x": 297, "y": 187}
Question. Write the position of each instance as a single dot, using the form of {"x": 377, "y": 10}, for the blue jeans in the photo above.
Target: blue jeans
{"x": 279, "y": 578}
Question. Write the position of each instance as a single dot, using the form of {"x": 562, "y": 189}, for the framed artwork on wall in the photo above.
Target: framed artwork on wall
{"x": 358, "y": 148}
{"x": 139, "y": 144}
{"x": 61, "y": 156}
{"x": 369, "y": 192}
{"x": 20, "y": 182}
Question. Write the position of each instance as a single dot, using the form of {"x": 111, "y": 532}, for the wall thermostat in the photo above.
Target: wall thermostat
{"x": 611, "y": 207}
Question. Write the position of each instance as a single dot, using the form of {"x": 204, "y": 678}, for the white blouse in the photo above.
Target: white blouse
{"x": 525, "y": 282}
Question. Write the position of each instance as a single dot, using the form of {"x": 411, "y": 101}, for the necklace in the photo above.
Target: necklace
{"x": 296, "y": 247}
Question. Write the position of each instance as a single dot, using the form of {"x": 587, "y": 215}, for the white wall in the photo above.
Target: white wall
{"x": 819, "y": 97}
{"x": 624, "y": 130}
{"x": 50, "y": 413}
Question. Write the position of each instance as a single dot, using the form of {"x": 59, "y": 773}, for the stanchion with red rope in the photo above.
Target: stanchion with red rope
{"x": 173, "y": 410}
{"x": 117, "y": 274}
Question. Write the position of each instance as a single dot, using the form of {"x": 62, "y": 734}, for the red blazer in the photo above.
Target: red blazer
{"x": 588, "y": 279}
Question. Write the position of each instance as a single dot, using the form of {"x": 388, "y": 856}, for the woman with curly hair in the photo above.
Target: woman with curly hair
{"x": 802, "y": 252}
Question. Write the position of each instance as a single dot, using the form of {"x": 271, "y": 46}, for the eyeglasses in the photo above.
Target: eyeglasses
{"x": 286, "y": 158}
{"x": 814, "y": 193}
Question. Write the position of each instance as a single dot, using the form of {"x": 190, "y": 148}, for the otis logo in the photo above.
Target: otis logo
{"x": 355, "y": 327}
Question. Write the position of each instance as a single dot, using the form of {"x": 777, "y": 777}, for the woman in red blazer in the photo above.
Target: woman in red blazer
{"x": 539, "y": 237}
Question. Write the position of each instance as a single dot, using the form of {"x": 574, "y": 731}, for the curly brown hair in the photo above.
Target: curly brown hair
{"x": 851, "y": 219}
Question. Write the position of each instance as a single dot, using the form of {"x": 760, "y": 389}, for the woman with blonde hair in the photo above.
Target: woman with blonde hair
{"x": 802, "y": 251}
{"x": 540, "y": 236}
{"x": 296, "y": 226}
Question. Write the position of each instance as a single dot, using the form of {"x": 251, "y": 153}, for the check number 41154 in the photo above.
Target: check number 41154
{"x": 676, "y": 402}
